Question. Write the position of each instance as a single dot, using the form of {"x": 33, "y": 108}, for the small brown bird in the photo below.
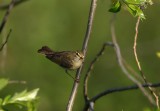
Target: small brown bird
{"x": 67, "y": 59}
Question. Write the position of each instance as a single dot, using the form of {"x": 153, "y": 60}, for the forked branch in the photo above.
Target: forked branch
{"x": 87, "y": 75}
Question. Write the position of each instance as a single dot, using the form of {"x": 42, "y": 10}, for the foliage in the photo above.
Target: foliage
{"x": 25, "y": 99}
{"x": 116, "y": 7}
{"x": 135, "y": 7}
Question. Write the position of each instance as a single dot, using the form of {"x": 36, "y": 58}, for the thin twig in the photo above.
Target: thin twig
{"x": 5, "y": 42}
{"x": 17, "y": 2}
{"x": 135, "y": 49}
{"x": 87, "y": 75}
{"x": 90, "y": 105}
{"x": 109, "y": 91}
{"x": 138, "y": 63}
{"x": 5, "y": 18}
{"x": 119, "y": 58}
{"x": 84, "y": 49}
{"x": 17, "y": 82}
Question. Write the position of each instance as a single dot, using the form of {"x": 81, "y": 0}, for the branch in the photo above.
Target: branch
{"x": 5, "y": 18}
{"x": 17, "y": 2}
{"x": 109, "y": 91}
{"x": 84, "y": 49}
{"x": 138, "y": 63}
{"x": 87, "y": 75}
{"x": 90, "y": 105}
{"x": 120, "y": 61}
{"x": 92, "y": 101}
{"x": 5, "y": 42}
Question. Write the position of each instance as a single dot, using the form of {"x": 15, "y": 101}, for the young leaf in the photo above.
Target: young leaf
{"x": 23, "y": 99}
{"x": 24, "y": 96}
{"x": 136, "y": 11}
{"x": 3, "y": 83}
{"x": 116, "y": 7}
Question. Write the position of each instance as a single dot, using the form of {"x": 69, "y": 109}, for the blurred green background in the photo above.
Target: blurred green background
{"x": 61, "y": 25}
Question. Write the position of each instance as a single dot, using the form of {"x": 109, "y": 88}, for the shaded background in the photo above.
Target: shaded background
{"x": 61, "y": 25}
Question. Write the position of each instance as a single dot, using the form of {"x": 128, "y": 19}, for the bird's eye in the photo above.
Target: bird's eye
{"x": 77, "y": 54}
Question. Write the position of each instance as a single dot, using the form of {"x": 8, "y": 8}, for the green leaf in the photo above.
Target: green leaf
{"x": 116, "y": 7}
{"x": 3, "y": 83}
{"x": 158, "y": 54}
{"x": 136, "y": 7}
{"x": 24, "y": 99}
{"x": 24, "y": 96}
{"x": 6, "y": 100}
{"x": 136, "y": 11}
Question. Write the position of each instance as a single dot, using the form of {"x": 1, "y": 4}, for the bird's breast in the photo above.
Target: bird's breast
{"x": 76, "y": 64}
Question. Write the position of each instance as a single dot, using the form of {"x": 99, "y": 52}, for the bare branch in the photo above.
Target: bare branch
{"x": 138, "y": 63}
{"x": 135, "y": 45}
{"x": 85, "y": 88}
{"x": 17, "y": 2}
{"x": 109, "y": 91}
{"x": 84, "y": 49}
{"x": 5, "y": 42}
{"x": 119, "y": 58}
{"x": 5, "y": 18}
{"x": 90, "y": 105}
{"x": 114, "y": 90}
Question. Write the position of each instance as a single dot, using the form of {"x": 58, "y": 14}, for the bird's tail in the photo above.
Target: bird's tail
{"x": 45, "y": 50}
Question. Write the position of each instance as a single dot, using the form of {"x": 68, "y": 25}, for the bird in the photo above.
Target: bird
{"x": 69, "y": 60}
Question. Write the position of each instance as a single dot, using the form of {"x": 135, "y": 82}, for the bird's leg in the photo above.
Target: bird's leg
{"x": 71, "y": 76}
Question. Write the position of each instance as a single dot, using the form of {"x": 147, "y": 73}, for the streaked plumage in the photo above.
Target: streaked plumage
{"x": 66, "y": 59}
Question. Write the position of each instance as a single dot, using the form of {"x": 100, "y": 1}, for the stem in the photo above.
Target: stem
{"x": 5, "y": 18}
{"x": 139, "y": 65}
{"x": 84, "y": 49}
{"x": 5, "y": 42}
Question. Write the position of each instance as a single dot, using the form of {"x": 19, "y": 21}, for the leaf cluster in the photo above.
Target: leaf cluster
{"x": 23, "y": 100}
{"x": 135, "y": 7}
